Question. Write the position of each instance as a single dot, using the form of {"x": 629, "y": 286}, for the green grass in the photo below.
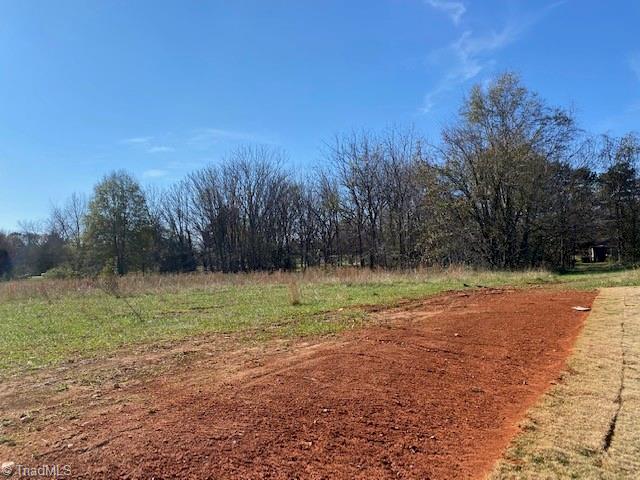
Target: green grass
{"x": 45, "y": 322}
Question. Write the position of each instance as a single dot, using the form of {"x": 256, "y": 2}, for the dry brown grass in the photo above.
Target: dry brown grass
{"x": 588, "y": 426}
{"x": 171, "y": 283}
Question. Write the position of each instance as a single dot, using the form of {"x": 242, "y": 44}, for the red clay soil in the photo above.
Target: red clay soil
{"x": 435, "y": 391}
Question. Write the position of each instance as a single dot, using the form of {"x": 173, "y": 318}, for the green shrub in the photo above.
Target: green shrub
{"x": 61, "y": 272}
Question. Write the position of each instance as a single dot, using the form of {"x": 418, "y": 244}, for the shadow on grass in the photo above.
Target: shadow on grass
{"x": 597, "y": 268}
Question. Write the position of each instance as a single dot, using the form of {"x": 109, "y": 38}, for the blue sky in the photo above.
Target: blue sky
{"x": 163, "y": 87}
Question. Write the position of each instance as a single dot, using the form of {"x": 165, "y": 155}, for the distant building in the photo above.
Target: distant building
{"x": 598, "y": 253}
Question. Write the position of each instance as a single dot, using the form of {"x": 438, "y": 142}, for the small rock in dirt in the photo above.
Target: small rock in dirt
{"x": 456, "y": 334}
{"x": 581, "y": 309}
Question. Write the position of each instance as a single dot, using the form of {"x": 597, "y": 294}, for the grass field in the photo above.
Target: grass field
{"x": 45, "y": 321}
{"x": 144, "y": 331}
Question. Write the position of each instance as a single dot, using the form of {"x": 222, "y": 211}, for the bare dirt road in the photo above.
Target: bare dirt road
{"x": 435, "y": 389}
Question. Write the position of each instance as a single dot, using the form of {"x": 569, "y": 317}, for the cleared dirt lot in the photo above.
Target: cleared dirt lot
{"x": 434, "y": 390}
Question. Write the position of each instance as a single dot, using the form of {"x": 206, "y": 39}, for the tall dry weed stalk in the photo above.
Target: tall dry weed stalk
{"x": 295, "y": 293}
{"x": 109, "y": 282}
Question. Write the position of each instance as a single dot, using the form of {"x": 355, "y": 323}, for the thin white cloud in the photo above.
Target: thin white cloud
{"x": 455, "y": 10}
{"x": 148, "y": 144}
{"x": 634, "y": 64}
{"x": 183, "y": 165}
{"x": 136, "y": 140}
{"x": 207, "y": 137}
{"x": 160, "y": 149}
{"x": 471, "y": 54}
{"x": 200, "y": 139}
{"x": 154, "y": 173}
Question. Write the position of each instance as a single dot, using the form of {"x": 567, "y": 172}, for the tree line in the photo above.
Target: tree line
{"x": 513, "y": 183}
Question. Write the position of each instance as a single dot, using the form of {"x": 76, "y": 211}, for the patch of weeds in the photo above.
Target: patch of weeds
{"x": 588, "y": 452}
{"x": 9, "y": 442}
{"x": 516, "y": 453}
{"x": 562, "y": 459}
{"x": 183, "y": 356}
{"x": 538, "y": 459}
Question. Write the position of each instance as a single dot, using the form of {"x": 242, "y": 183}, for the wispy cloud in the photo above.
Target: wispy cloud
{"x": 160, "y": 149}
{"x": 471, "y": 54}
{"x": 634, "y": 64}
{"x": 149, "y": 144}
{"x": 455, "y": 10}
{"x": 203, "y": 139}
{"x": 136, "y": 140}
{"x": 207, "y": 137}
{"x": 155, "y": 173}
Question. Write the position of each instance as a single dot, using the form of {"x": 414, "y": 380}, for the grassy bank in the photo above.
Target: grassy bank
{"x": 43, "y": 322}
